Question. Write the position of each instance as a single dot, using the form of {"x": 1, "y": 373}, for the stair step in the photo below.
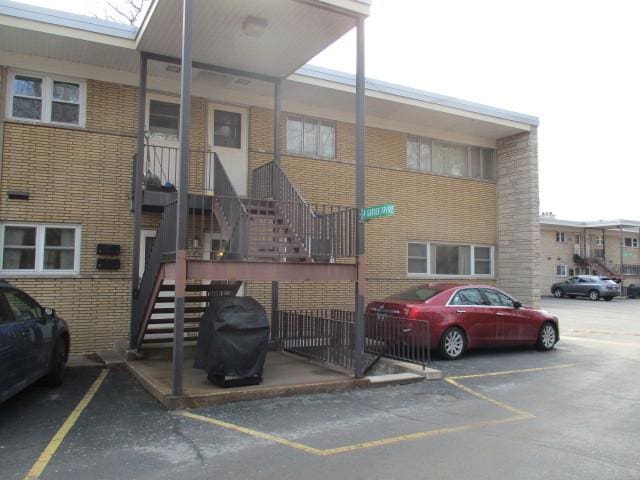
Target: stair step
{"x": 201, "y": 287}
{"x": 166, "y": 330}
{"x": 166, "y": 310}
{"x": 168, "y": 340}
{"x": 191, "y": 299}
{"x": 160, "y": 321}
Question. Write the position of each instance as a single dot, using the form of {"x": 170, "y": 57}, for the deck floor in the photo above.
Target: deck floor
{"x": 284, "y": 374}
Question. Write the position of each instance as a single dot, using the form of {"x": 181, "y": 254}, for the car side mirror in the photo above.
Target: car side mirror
{"x": 517, "y": 305}
{"x": 48, "y": 313}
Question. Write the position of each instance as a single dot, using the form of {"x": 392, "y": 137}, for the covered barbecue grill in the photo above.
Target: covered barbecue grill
{"x": 232, "y": 341}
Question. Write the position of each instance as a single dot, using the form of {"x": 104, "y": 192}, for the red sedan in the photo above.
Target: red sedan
{"x": 470, "y": 316}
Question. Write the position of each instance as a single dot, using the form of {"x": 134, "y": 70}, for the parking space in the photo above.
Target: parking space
{"x": 514, "y": 413}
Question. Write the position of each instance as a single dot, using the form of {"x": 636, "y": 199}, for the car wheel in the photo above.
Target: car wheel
{"x": 594, "y": 295}
{"x": 547, "y": 337}
{"x": 558, "y": 293}
{"x": 453, "y": 343}
{"x": 58, "y": 364}
{"x": 608, "y": 299}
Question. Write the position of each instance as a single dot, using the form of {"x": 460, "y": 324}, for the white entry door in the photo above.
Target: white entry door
{"x": 227, "y": 136}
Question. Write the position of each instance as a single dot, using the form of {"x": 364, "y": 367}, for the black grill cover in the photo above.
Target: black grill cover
{"x": 232, "y": 339}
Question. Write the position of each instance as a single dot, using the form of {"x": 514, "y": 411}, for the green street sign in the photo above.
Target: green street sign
{"x": 387, "y": 210}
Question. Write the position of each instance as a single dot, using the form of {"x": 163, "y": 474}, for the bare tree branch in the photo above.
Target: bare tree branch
{"x": 129, "y": 10}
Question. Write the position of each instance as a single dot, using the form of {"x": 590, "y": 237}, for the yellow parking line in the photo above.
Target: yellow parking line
{"x": 52, "y": 447}
{"x": 510, "y": 372}
{"x": 606, "y": 342}
{"x": 519, "y": 416}
{"x": 253, "y": 433}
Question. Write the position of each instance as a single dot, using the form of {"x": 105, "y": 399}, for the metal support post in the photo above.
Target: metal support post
{"x": 361, "y": 287}
{"x": 277, "y": 109}
{"x": 183, "y": 199}
{"x": 137, "y": 196}
{"x": 621, "y": 259}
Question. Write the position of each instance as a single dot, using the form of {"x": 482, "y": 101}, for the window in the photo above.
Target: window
{"x": 560, "y": 237}
{"x": 631, "y": 242}
{"x": 46, "y": 98}
{"x": 425, "y": 258}
{"x": 497, "y": 299}
{"x": 227, "y": 129}
{"x": 311, "y": 136}
{"x": 435, "y": 156}
{"x": 468, "y": 296}
{"x": 599, "y": 241}
{"x": 561, "y": 270}
{"x": 40, "y": 248}
{"x": 24, "y": 308}
{"x": 164, "y": 119}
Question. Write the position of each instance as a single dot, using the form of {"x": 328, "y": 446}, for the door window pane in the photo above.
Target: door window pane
{"x": 327, "y": 139}
{"x": 497, "y": 299}
{"x": 164, "y": 119}
{"x": 23, "y": 307}
{"x": 294, "y": 134}
{"x": 227, "y": 129}
{"x": 19, "y": 251}
{"x": 468, "y": 296}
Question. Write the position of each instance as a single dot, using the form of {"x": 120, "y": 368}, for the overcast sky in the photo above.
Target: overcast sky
{"x": 574, "y": 64}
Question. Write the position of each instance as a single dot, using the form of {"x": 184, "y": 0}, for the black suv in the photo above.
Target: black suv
{"x": 34, "y": 342}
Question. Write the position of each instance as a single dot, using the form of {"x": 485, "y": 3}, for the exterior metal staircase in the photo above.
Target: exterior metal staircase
{"x": 275, "y": 225}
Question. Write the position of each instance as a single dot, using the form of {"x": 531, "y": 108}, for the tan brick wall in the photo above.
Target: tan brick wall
{"x": 83, "y": 177}
{"x": 428, "y": 207}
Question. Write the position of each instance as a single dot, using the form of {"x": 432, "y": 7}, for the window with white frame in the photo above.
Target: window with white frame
{"x": 561, "y": 270}
{"x": 631, "y": 242}
{"x": 560, "y": 237}
{"x": 313, "y": 137}
{"x": 426, "y": 258}
{"x": 46, "y": 98}
{"x": 31, "y": 248}
{"x": 434, "y": 156}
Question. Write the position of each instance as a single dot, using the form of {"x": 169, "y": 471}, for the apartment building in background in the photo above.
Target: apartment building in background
{"x": 605, "y": 247}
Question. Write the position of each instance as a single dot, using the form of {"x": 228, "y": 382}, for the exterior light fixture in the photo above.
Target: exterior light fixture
{"x": 173, "y": 68}
{"x": 254, "y": 26}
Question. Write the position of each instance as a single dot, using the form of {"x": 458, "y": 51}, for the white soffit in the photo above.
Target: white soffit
{"x": 295, "y": 32}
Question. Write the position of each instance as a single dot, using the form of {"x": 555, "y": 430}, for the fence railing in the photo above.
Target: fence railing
{"x": 627, "y": 269}
{"x": 163, "y": 249}
{"x": 328, "y": 335}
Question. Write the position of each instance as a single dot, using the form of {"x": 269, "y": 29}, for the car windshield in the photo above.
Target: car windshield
{"x": 416, "y": 293}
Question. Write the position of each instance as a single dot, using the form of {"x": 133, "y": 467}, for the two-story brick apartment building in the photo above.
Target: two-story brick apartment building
{"x": 603, "y": 247}
{"x": 463, "y": 176}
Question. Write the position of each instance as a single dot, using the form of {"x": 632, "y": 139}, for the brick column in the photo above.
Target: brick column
{"x": 518, "y": 249}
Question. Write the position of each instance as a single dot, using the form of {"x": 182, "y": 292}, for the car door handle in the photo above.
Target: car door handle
{"x": 498, "y": 314}
{"x": 461, "y": 311}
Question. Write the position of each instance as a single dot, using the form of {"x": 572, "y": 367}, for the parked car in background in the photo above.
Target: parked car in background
{"x": 462, "y": 317}
{"x": 590, "y": 286}
{"x": 34, "y": 342}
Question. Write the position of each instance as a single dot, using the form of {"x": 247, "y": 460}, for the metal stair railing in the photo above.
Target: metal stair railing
{"x": 326, "y": 231}
{"x": 163, "y": 249}
{"x": 233, "y": 209}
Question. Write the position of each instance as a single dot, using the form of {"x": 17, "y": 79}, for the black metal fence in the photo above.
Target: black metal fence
{"x": 328, "y": 335}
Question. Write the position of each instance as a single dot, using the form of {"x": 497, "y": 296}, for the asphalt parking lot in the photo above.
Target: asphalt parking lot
{"x": 572, "y": 413}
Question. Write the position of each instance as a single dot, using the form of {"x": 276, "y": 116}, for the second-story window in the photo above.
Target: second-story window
{"x": 311, "y": 136}
{"x": 46, "y": 98}
{"x": 560, "y": 237}
{"x": 444, "y": 158}
{"x": 631, "y": 242}
{"x": 164, "y": 119}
